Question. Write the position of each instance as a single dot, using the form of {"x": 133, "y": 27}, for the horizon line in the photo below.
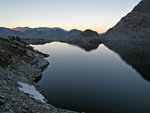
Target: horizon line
{"x": 100, "y": 31}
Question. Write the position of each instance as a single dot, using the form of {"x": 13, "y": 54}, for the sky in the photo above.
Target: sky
{"x": 98, "y": 15}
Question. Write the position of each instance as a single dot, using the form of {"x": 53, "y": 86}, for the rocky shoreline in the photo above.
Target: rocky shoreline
{"x": 20, "y": 67}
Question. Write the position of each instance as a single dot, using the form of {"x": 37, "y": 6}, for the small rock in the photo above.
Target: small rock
{"x": 2, "y": 101}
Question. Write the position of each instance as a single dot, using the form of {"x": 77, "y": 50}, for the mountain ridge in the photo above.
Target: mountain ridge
{"x": 38, "y": 33}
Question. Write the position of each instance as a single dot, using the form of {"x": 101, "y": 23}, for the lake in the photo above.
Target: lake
{"x": 96, "y": 81}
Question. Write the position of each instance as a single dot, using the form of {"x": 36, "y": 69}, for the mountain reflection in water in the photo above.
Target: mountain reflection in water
{"x": 95, "y": 79}
{"x": 134, "y": 53}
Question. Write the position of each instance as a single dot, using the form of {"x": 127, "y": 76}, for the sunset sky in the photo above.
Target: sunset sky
{"x": 98, "y": 15}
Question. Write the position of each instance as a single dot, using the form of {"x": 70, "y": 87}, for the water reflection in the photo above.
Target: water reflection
{"x": 95, "y": 81}
{"x": 87, "y": 46}
{"x": 134, "y": 53}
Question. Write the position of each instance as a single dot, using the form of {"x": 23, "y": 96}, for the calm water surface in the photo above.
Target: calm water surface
{"x": 98, "y": 81}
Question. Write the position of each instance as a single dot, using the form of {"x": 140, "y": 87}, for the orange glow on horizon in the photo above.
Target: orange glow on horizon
{"x": 97, "y": 29}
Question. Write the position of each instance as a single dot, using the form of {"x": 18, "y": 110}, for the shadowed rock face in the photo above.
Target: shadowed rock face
{"x": 134, "y": 26}
{"x": 143, "y": 6}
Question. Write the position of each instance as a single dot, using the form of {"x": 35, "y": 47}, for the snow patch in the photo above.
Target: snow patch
{"x": 30, "y": 89}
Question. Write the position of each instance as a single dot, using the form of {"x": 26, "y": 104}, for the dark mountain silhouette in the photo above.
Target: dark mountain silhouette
{"x": 85, "y": 36}
{"x": 87, "y": 40}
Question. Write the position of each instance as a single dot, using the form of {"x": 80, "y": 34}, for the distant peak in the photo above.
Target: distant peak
{"x": 21, "y": 29}
{"x": 58, "y": 28}
{"x": 89, "y": 32}
{"x": 74, "y": 30}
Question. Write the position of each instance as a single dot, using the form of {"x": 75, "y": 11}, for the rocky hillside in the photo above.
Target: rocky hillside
{"x": 134, "y": 26}
{"x": 20, "y": 67}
